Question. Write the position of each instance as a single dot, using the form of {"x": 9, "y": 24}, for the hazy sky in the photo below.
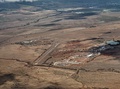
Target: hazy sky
{"x": 16, "y": 0}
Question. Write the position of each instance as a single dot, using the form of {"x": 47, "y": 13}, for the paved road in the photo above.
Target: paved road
{"x": 42, "y": 59}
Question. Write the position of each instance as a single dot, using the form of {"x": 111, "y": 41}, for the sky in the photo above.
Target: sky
{"x": 16, "y": 0}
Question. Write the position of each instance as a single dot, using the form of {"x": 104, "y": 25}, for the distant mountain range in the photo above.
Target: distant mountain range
{"x": 56, "y": 4}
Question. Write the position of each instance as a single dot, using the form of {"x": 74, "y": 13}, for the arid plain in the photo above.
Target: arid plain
{"x": 51, "y": 49}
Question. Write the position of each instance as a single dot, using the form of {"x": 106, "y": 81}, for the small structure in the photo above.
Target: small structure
{"x": 90, "y": 55}
{"x": 113, "y": 43}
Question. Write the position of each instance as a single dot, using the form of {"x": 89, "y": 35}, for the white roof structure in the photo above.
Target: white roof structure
{"x": 112, "y": 42}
